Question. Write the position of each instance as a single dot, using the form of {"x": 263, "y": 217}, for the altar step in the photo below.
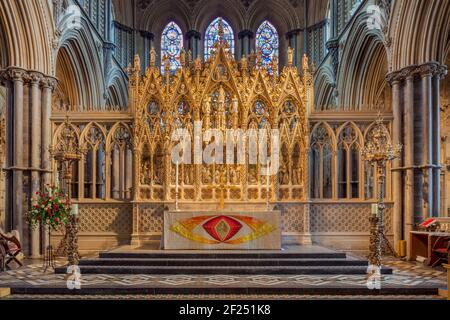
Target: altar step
{"x": 223, "y": 263}
{"x": 112, "y": 262}
{"x": 225, "y": 270}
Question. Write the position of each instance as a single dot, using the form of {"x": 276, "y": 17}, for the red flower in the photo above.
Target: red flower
{"x": 36, "y": 206}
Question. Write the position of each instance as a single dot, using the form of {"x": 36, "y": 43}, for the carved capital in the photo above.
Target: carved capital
{"x": 15, "y": 74}
{"x": 427, "y": 69}
{"x": 34, "y": 77}
{"x": 49, "y": 83}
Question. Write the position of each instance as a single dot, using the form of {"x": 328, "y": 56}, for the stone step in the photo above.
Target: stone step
{"x": 220, "y": 262}
{"x": 219, "y": 270}
{"x": 115, "y": 290}
{"x": 221, "y": 255}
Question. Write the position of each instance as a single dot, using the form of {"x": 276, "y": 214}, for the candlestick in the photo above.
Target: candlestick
{"x": 267, "y": 184}
{"x": 176, "y": 187}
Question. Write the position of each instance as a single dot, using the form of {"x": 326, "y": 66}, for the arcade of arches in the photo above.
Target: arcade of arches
{"x": 320, "y": 70}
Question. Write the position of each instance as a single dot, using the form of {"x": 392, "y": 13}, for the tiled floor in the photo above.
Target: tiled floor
{"x": 406, "y": 275}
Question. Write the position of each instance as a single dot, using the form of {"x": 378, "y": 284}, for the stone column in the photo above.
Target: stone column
{"x": 396, "y": 173}
{"x": 245, "y": 37}
{"x": 17, "y": 77}
{"x": 129, "y": 174}
{"x": 122, "y": 173}
{"x": 115, "y": 173}
{"x": 436, "y": 140}
{"x": 48, "y": 85}
{"x": 409, "y": 155}
{"x": 427, "y": 124}
{"x": 35, "y": 141}
{"x": 193, "y": 38}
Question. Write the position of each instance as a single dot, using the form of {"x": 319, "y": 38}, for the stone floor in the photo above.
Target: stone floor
{"x": 406, "y": 274}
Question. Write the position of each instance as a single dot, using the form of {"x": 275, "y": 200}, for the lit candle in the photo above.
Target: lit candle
{"x": 375, "y": 209}
{"x": 268, "y": 180}
{"x": 176, "y": 179}
{"x": 57, "y": 179}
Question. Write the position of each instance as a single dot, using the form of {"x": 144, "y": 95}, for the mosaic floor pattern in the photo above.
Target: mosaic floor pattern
{"x": 405, "y": 274}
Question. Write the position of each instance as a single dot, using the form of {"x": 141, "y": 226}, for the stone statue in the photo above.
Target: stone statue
{"x": 290, "y": 56}
{"x": 152, "y": 57}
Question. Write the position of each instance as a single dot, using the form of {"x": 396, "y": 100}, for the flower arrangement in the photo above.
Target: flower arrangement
{"x": 50, "y": 207}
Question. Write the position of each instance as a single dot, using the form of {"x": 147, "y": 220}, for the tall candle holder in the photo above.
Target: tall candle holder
{"x": 378, "y": 151}
{"x": 67, "y": 153}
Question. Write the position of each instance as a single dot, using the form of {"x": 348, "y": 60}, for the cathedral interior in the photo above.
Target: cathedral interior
{"x": 114, "y": 80}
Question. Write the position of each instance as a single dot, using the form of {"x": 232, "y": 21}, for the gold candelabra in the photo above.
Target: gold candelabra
{"x": 67, "y": 153}
{"x": 378, "y": 151}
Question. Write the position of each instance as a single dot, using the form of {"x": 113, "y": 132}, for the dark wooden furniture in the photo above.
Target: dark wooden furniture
{"x": 422, "y": 244}
{"x": 12, "y": 248}
{"x": 2, "y": 255}
{"x": 441, "y": 249}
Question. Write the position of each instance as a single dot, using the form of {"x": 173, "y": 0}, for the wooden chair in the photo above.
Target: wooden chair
{"x": 441, "y": 249}
{"x": 2, "y": 255}
{"x": 12, "y": 247}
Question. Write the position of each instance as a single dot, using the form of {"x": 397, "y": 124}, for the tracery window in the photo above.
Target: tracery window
{"x": 94, "y": 166}
{"x": 212, "y": 35}
{"x": 348, "y": 163}
{"x": 171, "y": 46}
{"x": 321, "y": 164}
{"x": 267, "y": 41}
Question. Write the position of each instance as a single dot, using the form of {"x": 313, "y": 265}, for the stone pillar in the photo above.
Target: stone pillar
{"x": 17, "y": 75}
{"x": 409, "y": 155}
{"x": 128, "y": 174}
{"x": 147, "y": 44}
{"x": 427, "y": 124}
{"x": 436, "y": 140}
{"x": 396, "y": 173}
{"x": 245, "y": 37}
{"x": 35, "y": 141}
{"x": 193, "y": 38}
{"x": 48, "y": 85}
{"x": 122, "y": 173}
{"x": 115, "y": 173}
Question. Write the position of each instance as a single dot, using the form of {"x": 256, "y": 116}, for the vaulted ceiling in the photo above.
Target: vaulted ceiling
{"x": 288, "y": 15}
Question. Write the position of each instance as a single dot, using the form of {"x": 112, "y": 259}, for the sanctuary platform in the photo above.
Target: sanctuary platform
{"x": 294, "y": 271}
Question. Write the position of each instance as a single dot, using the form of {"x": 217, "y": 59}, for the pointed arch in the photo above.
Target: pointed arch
{"x": 212, "y": 35}
{"x": 268, "y": 42}
{"x": 171, "y": 46}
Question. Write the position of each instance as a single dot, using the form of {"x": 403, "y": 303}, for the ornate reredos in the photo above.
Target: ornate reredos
{"x": 160, "y": 102}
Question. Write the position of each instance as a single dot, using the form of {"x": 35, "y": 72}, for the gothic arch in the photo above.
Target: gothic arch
{"x": 117, "y": 88}
{"x": 324, "y": 87}
{"x": 28, "y": 30}
{"x": 361, "y": 76}
{"x": 427, "y": 36}
{"x": 281, "y": 14}
{"x": 78, "y": 56}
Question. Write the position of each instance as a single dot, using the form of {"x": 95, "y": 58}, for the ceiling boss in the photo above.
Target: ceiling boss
{"x": 221, "y": 95}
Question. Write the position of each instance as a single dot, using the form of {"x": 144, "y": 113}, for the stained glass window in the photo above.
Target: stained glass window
{"x": 171, "y": 45}
{"x": 267, "y": 41}
{"x": 212, "y": 35}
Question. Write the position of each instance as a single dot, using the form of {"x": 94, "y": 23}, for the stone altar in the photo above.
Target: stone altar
{"x": 222, "y": 230}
